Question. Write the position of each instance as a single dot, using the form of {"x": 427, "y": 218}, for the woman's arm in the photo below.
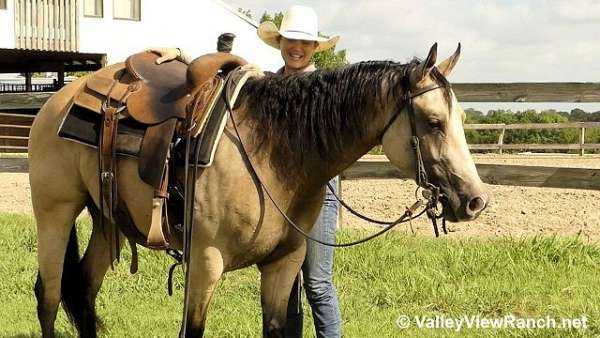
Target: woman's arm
{"x": 169, "y": 54}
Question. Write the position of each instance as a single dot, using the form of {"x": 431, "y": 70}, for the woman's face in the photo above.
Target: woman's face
{"x": 296, "y": 53}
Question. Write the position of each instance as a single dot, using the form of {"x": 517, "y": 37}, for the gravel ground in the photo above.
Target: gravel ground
{"x": 513, "y": 211}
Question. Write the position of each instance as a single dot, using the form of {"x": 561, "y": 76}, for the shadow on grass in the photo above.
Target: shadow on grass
{"x": 37, "y": 335}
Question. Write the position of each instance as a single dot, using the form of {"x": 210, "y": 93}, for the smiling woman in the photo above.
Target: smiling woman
{"x": 297, "y": 54}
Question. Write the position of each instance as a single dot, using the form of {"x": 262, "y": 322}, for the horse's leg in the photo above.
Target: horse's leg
{"x": 54, "y": 227}
{"x": 205, "y": 270}
{"x": 95, "y": 263}
{"x": 277, "y": 277}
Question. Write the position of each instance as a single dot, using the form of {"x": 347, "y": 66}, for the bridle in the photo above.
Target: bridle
{"x": 431, "y": 193}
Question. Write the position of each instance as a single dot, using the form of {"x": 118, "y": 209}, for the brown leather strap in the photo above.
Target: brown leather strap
{"x": 133, "y": 268}
{"x": 158, "y": 235}
{"x": 107, "y": 162}
{"x": 107, "y": 179}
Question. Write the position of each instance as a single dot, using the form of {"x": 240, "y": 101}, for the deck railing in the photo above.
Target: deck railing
{"x": 47, "y": 25}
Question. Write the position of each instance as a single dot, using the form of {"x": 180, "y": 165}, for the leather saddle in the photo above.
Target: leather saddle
{"x": 164, "y": 98}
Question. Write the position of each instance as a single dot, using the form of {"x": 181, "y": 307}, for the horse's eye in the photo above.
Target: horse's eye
{"x": 435, "y": 124}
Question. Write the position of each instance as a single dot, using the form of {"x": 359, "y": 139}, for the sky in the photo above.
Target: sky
{"x": 502, "y": 41}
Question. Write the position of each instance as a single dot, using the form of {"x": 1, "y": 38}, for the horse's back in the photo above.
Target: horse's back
{"x": 44, "y": 130}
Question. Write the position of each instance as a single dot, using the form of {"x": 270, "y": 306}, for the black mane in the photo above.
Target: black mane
{"x": 307, "y": 112}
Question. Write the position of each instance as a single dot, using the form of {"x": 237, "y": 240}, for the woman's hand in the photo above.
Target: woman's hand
{"x": 166, "y": 54}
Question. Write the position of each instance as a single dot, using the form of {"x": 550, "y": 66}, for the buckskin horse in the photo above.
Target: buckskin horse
{"x": 299, "y": 132}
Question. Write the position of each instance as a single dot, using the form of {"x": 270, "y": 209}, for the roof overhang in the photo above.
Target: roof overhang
{"x": 26, "y": 60}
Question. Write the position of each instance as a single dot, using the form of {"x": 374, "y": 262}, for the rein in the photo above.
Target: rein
{"x": 421, "y": 179}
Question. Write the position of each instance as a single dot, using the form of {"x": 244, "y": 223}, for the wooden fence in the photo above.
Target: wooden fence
{"x": 21, "y": 87}
{"x": 47, "y": 24}
{"x": 377, "y": 166}
{"x": 500, "y": 146}
{"x": 14, "y": 131}
{"x": 18, "y": 110}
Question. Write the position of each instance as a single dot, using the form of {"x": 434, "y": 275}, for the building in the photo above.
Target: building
{"x": 79, "y": 35}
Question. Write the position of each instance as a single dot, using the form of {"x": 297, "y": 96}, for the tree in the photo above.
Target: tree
{"x": 325, "y": 59}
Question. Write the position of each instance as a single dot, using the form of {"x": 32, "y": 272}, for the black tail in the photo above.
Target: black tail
{"x": 73, "y": 291}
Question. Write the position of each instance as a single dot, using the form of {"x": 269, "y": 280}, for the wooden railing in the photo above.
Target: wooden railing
{"x": 471, "y": 92}
{"x": 17, "y": 111}
{"x": 14, "y": 131}
{"x": 21, "y": 87}
{"x": 378, "y": 166}
{"x": 500, "y": 146}
{"x": 47, "y": 25}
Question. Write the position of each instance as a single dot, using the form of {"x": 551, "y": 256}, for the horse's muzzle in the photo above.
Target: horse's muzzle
{"x": 466, "y": 209}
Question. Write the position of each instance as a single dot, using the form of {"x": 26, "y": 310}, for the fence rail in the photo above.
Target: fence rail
{"x": 28, "y": 103}
{"x": 500, "y": 145}
{"x": 21, "y": 87}
{"x": 377, "y": 166}
{"x": 528, "y": 92}
{"x": 14, "y": 131}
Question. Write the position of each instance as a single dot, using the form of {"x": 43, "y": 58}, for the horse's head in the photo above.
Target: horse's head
{"x": 431, "y": 109}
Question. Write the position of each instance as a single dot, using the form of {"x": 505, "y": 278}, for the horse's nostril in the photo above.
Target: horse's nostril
{"x": 476, "y": 205}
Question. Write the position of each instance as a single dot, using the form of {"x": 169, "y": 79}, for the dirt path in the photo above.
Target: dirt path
{"x": 513, "y": 211}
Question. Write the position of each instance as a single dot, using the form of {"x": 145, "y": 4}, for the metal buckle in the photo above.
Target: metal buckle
{"x": 106, "y": 175}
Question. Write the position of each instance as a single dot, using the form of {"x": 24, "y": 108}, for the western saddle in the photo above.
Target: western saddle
{"x": 170, "y": 100}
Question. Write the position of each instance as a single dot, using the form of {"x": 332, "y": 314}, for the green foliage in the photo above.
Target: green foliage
{"x": 33, "y": 75}
{"x": 330, "y": 58}
{"x": 529, "y": 136}
{"x": 325, "y": 59}
{"x": 557, "y": 136}
{"x": 275, "y": 18}
{"x": 376, "y": 282}
{"x": 78, "y": 74}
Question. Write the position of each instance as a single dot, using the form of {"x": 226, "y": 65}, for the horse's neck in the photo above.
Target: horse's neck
{"x": 315, "y": 171}
{"x": 352, "y": 149}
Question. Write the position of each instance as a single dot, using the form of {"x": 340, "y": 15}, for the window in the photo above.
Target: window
{"x": 93, "y": 8}
{"x": 2, "y": 4}
{"x": 126, "y": 9}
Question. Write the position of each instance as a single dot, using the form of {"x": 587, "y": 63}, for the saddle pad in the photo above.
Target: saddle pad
{"x": 212, "y": 130}
{"x": 82, "y": 127}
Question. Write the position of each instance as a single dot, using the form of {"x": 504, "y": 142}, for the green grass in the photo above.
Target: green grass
{"x": 376, "y": 282}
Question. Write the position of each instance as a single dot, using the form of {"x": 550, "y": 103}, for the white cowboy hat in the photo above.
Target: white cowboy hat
{"x": 298, "y": 23}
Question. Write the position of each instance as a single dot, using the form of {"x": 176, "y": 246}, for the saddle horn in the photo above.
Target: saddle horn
{"x": 207, "y": 66}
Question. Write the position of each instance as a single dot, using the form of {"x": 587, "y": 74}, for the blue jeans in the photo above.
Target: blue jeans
{"x": 317, "y": 272}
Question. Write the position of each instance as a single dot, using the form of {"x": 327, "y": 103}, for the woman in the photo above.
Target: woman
{"x": 298, "y": 40}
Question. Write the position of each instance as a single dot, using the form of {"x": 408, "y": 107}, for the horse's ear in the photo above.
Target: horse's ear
{"x": 426, "y": 66}
{"x": 446, "y": 67}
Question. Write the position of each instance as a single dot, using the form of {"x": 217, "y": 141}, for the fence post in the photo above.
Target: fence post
{"x": 340, "y": 209}
{"x": 501, "y": 140}
{"x": 581, "y": 141}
